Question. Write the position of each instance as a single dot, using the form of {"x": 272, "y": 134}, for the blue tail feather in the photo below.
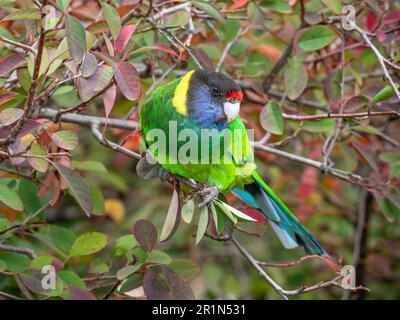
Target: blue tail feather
{"x": 289, "y": 230}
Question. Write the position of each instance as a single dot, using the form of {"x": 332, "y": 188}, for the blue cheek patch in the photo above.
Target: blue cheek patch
{"x": 205, "y": 110}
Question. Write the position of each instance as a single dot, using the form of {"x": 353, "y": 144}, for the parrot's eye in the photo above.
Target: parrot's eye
{"x": 216, "y": 91}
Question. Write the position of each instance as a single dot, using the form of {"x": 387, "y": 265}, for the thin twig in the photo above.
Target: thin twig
{"x": 27, "y": 251}
{"x": 241, "y": 32}
{"x": 17, "y": 44}
{"x": 254, "y": 263}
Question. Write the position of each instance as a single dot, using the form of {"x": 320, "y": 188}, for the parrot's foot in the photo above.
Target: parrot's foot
{"x": 163, "y": 174}
{"x": 208, "y": 195}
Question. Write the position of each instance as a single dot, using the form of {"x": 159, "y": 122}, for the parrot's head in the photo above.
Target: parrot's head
{"x": 213, "y": 98}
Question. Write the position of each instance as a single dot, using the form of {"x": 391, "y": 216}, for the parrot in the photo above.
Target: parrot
{"x": 207, "y": 100}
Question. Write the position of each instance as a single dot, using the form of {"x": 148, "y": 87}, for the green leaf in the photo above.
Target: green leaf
{"x": 77, "y": 186}
{"x": 63, "y": 238}
{"x": 89, "y": 165}
{"x": 394, "y": 170}
{"x": 160, "y": 257}
{"x": 386, "y": 93}
{"x": 325, "y": 126}
{"x": 4, "y": 224}
{"x": 112, "y": 18}
{"x": 124, "y": 244}
{"x": 255, "y": 14}
{"x": 76, "y": 38}
{"x": 9, "y": 116}
{"x": 127, "y": 271}
{"x": 271, "y": 118}
{"x": 71, "y": 278}
{"x": 97, "y": 198}
{"x": 334, "y": 5}
{"x": 88, "y": 243}
{"x": 38, "y": 164}
{"x": 41, "y": 261}
{"x": 63, "y": 4}
{"x": 202, "y": 225}
{"x": 230, "y": 29}
{"x": 296, "y": 78}
{"x": 27, "y": 190}
{"x": 391, "y": 157}
{"x": 134, "y": 281}
{"x": 99, "y": 266}
{"x": 66, "y": 96}
{"x": 218, "y": 217}
{"x": 316, "y": 37}
{"x": 15, "y": 262}
{"x": 185, "y": 268}
{"x": 65, "y": 139}
{"x": 188, "y": 211}
{"x": 23, "y": 14}
{"x": 10, "y": 198}
{"x": 280, "y": 6}
{"x": 209, "y": 9}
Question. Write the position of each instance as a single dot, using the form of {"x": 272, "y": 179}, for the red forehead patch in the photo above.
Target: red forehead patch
{"x": 234, "y": 94}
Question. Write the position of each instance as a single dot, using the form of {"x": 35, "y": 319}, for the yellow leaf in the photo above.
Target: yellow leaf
{"x": 115, "y": 209}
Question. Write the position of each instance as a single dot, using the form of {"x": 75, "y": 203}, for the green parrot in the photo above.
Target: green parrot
{"x": 206, "y": 101}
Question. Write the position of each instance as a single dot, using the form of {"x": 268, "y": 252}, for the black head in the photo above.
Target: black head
{"x": 213, "y": 98}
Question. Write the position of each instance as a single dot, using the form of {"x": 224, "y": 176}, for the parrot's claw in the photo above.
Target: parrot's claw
{"x": 208, "y": 195}
{"x": 163, "y": 174}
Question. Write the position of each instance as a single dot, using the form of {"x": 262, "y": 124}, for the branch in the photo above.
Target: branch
{"x": 241, "y": 32}
{"x": 96, "y": 122}
{"x": 344, "y": 175}
{"x": 17, "y": 44}
{"x": 29, "y": 252}
{"x": 318, "y": 117}
{"x": 348, "y": 21}
{"x": 86, "y": 120}
{"x": 19, "y": 227}
{"x": 286, "y": 54}
{"x": 32, "y": 91}
{"x": 262, "y": 273}
{"x": 116, "y": 147}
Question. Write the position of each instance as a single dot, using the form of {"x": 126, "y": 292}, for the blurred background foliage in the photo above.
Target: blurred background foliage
{"x": 94, "y": 254}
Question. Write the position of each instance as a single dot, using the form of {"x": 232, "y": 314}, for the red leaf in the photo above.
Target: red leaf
{"x": 145, "y": 233}
{"x": 80, "y": 294}
{"x": 154, "y": 286}
{"x": 109, "y": 99}
{"x": 255, "y": 214}
{"x": 123, "y": 37}
{"x": 308, "y": 182}
{"x": 166, "y": 49}
{"x": 391, "y": 17}
{"x": 11, "y": 63}
{"x": 7, "y": 96}
{"x": 128, "y": 80}
{"x": 366, "y": 155}
{"x": 371, "y": 20}
{"x": 380, "y": 35}
{"x": 29, "y": 127}
{"x": 238, "y": 4}
{"x": 354, "y": 103}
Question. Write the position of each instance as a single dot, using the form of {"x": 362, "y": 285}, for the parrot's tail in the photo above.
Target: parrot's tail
{"x": 287, "y": 227}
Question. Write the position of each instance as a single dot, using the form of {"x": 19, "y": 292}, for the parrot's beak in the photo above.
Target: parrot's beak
{"x": 231, "y": 109}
